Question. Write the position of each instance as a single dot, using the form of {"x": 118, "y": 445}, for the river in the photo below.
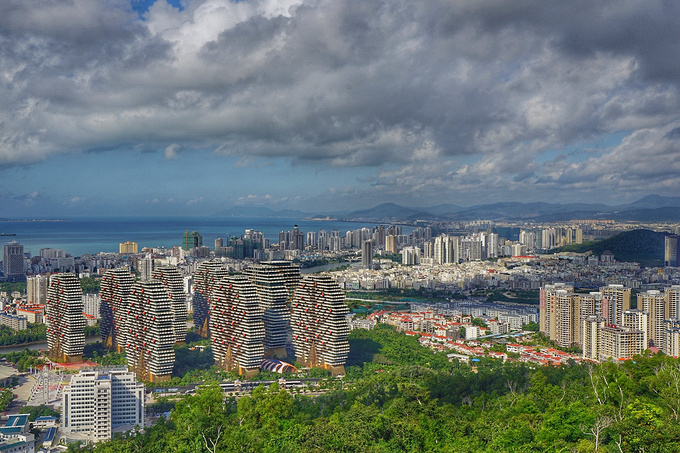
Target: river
{"x": 39, "y": 345}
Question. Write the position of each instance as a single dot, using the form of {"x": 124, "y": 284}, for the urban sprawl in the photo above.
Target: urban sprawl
{"x": 288, "y": 306}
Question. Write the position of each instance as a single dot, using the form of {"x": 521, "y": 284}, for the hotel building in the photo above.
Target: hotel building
{"x": 173, "y": 281}
{"x": 237, "y": 331}
{"x": 149, "y": 333}
{"x": 273, "y": 281}
{"x": 64, "y": 318}
{"x": 116, "y": 284}
{"x": 319, "y": 324}
{"x": 208, "y": 274}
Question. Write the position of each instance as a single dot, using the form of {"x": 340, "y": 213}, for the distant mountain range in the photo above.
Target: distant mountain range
{"x": 650, "y": 208}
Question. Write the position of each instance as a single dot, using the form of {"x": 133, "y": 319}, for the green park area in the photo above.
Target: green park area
{"x": 399, "y": 396}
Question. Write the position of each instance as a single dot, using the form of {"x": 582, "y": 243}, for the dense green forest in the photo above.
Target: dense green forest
{"x": 641, "y": 246}
{"x": 398, "y": 396}
{"x": 34, "y": 332}
{"x": 25, "y": 359}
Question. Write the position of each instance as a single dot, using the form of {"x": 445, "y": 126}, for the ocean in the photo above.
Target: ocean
{"x": 91, "y": 235}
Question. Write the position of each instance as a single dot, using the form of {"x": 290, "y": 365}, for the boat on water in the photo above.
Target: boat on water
{"x": 8, "y": 234}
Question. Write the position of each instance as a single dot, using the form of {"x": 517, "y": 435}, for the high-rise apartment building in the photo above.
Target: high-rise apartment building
{"x": 312, "y": 239}
{"x": 672, "y": 251}
{"x": 319, "y": 324}
{"x": 237, "y": 329}
{"x": 590, "y": 333}
{"x": 173, "y": 282}
{"x": 13, "y": 266}
{"x": 615, "y": 300}
{"x": 128, "y": 247}
{"x": 492, "y": 245}
{"x": 590, "y": 304}
{"x": 51, "y": 254}
{"x": 298, "y": 239}
{"x": 567, "y": 319}
{"x": 99, "y": 402}
{"x": 410, "y": 256}
{"x": 445, "y": 249}
{"x": 149, "y": 333}
{"x": 367, "y": 254}
{"x": 548, "y": 309}
{"x": 619, "y": 342}
{"x": 655, "y": 305}
{"x": 116, "y": 284}
{"x": 578, "y": 236}
{"x": 528, "y": 239}
{"x": 64, "y": 318}
{"x": 639, "y": 320}
{"x": 673, "y": 300}
{"x": 470, "y": 249}
{"x": 549, "y": 238}
{"x": 145, "y": 266}
{"x": 36, "y": 289}
{"x": 602, "y": 341}
{"x": 391, "y": 244}
{"x": 92, "y": 305}
{"x": 672, "y": 337}
{"x": 207, "y": 275}
{"x": 192, "y": 240}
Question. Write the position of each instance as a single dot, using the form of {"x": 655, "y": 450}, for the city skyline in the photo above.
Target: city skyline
{"x": 194, "y": 107}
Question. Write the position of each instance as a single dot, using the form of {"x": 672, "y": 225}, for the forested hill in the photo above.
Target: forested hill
{"x": 641, "y": 246}
{"x": 409, "y": 399}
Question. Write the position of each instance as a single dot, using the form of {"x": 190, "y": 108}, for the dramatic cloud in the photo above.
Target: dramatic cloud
{"x": 439, "y": 97}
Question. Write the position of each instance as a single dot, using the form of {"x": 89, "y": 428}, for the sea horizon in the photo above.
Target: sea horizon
{"x": 90, "y": 235}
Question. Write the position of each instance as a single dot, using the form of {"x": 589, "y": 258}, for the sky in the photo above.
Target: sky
{"x": 190, "y": 107}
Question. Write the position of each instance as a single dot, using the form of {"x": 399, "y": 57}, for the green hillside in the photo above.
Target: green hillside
{"x": 642, "y": 246}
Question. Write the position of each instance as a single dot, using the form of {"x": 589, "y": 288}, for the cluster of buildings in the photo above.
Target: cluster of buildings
{"x": 454, "y": 320}
{"x": 446, "y": 330}
{"x": 15, "y": 436}
{"x": 270, "y": 311}
{"x": 144, "y": 318}
{"x": 604, "y": 324}
{"x": 267, "y": 311}
{"x": 469, "y": 350}
{"x": 21, "y": 310}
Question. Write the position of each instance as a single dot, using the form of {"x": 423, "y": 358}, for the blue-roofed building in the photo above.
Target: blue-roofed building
{"x": 23, "y": 443}
{"x": 14, "y": 436}
{"x": 49, "y": 437}
{"x": 16, "y": 424}
{"x": 46, "y": 421}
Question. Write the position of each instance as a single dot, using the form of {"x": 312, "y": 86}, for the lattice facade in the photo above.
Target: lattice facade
{"x": 236, "y": 326}
{"x": 207, "y": 275}
{"x": 149, "y": 334}
{"x": 64, "y": 318}
{"x": 289, "y": 271}
{"x": 115, "y": 287}
{"x": 319, "y": 323}
{"x": 173, "y": 282}
{"x": 272, "y": 283}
